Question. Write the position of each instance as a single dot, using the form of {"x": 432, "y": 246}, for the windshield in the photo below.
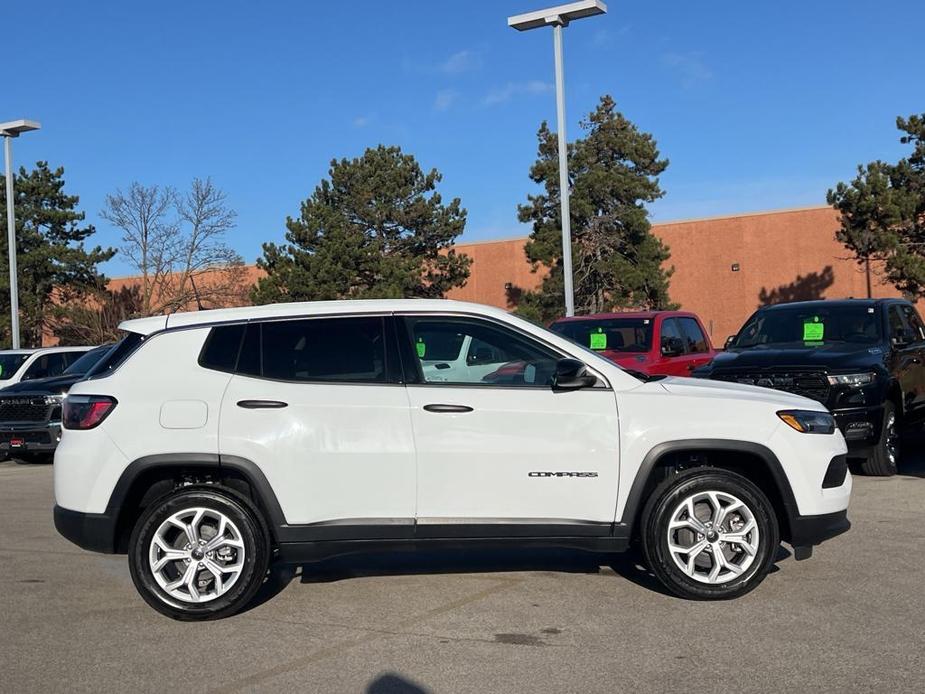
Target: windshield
{"x": 610, "y": 334}
{"x": 811, "y": 326}
{"x": 9, "y": 365}
{"x": 86, "y": 362}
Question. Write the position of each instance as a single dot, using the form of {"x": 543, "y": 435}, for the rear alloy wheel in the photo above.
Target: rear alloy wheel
{"x": 709, "y": 534}
{"x": 883, "y": 460}
{"x": 200, "y": 553}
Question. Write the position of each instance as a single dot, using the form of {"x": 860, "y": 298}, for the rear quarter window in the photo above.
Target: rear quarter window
{"x": 220, "y": 350}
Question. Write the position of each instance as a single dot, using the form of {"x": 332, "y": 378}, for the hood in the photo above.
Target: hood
{"x": 703, "y": 388}
{"x": 833, "y": 357}
{"x": 54, "y": 385}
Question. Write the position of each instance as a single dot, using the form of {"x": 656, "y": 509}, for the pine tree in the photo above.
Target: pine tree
{"x": 617, "y": 261}
{"x": 883, "y": 212}
{"x": 53, "y": 264}
{"x": 376, "y": 228}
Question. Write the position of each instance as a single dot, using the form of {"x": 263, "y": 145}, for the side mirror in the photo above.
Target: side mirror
{"x": 672, "y": 346}
{"x": 572, "y": 374}
{"x": 729, "y": 341}
{"x": 903, "y": 338}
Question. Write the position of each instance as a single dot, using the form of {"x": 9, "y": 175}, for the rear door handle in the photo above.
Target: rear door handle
{"x": 440, "y": 408}
{"x": 262, "y": 404}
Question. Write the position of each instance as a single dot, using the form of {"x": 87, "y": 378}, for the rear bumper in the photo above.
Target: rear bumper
{"x": 93, "y": 531}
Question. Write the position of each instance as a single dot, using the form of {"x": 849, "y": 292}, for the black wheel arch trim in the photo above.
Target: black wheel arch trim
{"x": 223, "y": 463}
{"x": 635, "y": 501}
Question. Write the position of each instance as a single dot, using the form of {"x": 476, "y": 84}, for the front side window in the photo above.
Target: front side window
{"x": 914, "y": 322}
{"x": 487, "y": 354}
{"x": 319, "y": 350}
{"x": 694, "y": 339}
{"x": 46, "y": 366}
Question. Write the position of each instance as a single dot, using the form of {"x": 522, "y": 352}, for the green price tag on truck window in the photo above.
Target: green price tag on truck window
{"x": 421, "y": 348}
{"x": 813, "y": 331}
{"x": 599, "y": 339}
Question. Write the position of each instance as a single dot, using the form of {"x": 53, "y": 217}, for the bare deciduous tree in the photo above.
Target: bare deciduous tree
{"x": 176, "y": 242}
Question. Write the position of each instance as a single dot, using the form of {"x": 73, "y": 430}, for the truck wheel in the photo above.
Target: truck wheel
{"x": 199, "y": 553}
{"x": 709, "y": 534}
{"x": 882, "y": 461}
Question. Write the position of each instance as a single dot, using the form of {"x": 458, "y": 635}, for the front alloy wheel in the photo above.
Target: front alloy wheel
{"x": 709, "y": 533}
{"x": 713, "y": 537}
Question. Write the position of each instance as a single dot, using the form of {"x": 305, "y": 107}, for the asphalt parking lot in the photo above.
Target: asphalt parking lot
{"x": 850, "y": 619}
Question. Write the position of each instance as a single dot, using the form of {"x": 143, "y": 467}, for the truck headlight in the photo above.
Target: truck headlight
{"x": 808, "y": 421}
{"x": 856, "y": 380}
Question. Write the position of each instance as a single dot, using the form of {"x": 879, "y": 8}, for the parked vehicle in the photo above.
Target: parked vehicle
{"x": 864, "y": 359}
{"x": 673, "y": 343}
{"x": 24, "y": 364}
{"x": 30, "y": 411}
{"x": 209, "y": 442}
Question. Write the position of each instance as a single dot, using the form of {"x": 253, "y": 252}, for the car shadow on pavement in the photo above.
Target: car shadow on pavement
{"x": 426, "y": 562}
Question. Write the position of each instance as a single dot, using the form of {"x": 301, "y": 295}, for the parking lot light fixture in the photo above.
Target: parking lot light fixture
{"x": 9, "y": 130}
{"x": 559, "y": 17}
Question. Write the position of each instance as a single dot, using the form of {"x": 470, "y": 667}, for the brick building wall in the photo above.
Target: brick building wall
{"x": 783, "y": 255}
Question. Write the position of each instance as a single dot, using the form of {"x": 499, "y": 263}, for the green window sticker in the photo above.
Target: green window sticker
{"x": 599, "y": 339}
{"x": 421, "y": 348}
{"x": 813, "y": 331}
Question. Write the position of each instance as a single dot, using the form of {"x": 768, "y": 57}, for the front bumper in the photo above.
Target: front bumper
{"x": 92, "y": 531}
{"x": 861, "y": 427}
{"x": 29, "y": 437}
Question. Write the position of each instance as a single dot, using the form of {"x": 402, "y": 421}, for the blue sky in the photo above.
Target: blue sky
{"x": 757, "y": 105}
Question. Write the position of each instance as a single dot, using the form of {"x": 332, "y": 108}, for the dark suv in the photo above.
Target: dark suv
{"x": 863, "y": 358}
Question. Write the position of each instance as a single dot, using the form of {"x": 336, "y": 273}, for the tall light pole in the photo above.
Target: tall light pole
{"x": 8, "y": 131}
{"x": 558, "y": 17}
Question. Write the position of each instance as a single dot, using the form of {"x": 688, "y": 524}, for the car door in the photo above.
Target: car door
{"x": 671, "y": 364}
{"x": 695, "y": 342}
{"x": 499, "y": 452}
{"x": 313, "y": 403}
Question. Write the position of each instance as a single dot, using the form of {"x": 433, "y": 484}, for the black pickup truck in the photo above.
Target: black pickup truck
{"x": 864, "y": 359}
{"x": 30, "y": 411}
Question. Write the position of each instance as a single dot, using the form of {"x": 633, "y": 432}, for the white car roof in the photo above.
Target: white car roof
{"x": 146, "y": 326}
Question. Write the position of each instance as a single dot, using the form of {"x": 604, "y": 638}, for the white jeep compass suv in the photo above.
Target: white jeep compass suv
{"x": 208, "y": 444}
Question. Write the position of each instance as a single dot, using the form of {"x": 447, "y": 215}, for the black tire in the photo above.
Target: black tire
{"x": 883, "y": 460}
{"x": 256, "y": 545}
{"x": 657, "y": 515}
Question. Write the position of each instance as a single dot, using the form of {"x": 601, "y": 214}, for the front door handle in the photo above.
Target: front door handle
{"x": 440, "y": 408}
{"x": 262, "y": 404}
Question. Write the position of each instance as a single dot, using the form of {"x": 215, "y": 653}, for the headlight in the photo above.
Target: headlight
{"x": 862, "y": 379}
{"x": 808, "y": 422}
{"x": 54, "y": 399}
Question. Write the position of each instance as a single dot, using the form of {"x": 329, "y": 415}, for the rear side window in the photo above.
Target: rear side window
{"x": 693, "y": 335}
{"x": 220, "y": 351}
{"x": 335, "y": 350}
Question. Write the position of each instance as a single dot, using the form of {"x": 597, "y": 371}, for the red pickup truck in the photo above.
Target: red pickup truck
{"x": 673, "y": 343}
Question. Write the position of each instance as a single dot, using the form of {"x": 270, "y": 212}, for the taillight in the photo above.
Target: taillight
{"x": 86, "y": 411}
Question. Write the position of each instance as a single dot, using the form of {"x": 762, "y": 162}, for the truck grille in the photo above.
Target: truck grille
{"x": 809, "y": 384}
{"x": 21, "y": 409}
